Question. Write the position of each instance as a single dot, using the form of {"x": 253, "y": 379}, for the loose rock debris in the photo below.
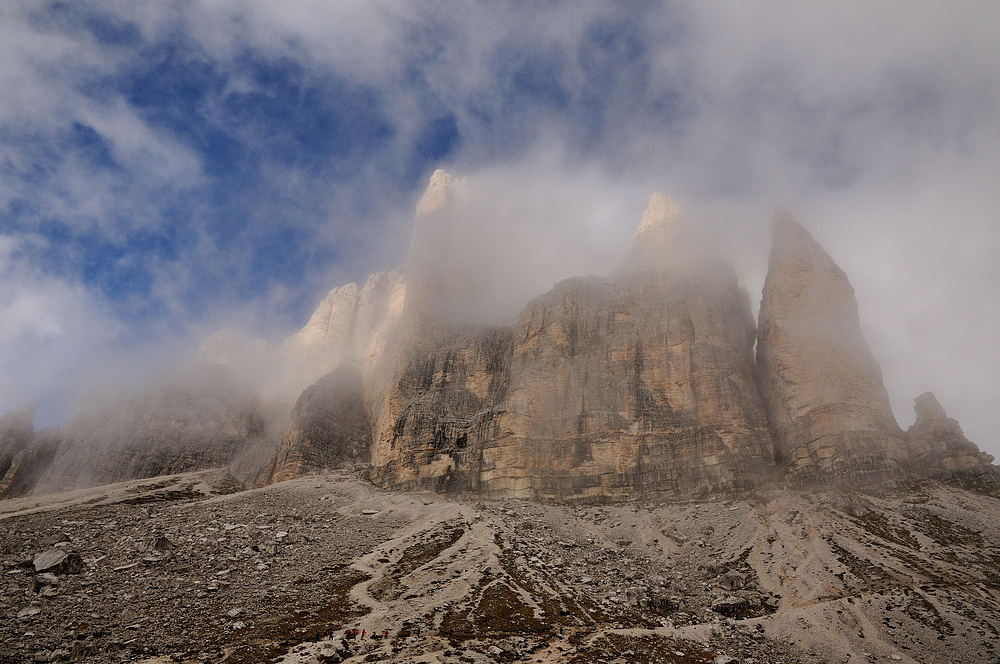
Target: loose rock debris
{"x": 330, "y": 569}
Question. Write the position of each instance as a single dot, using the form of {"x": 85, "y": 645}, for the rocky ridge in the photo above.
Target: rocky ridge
{"x": 639, "y": 384}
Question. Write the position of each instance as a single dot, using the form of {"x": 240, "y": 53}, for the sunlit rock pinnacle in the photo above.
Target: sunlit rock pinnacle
{"x": 660, "y": 213}
{"x": 437, "y": 196}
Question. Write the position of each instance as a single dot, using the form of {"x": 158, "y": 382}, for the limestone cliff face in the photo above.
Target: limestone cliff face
{"x": 329, "y": 428}
{"x": 606, "y": 388}
{"x": 343, "y": 326}
{"x": 16, "y": 428}
{"x": 641, "y": 382}
{"x": 24, "y": 454}
{"x": 160, "y": 431}
{"x": 939, "y": 448}
{"x": 826, "y": 402}
{"x": 444, "y": 405}
{"x": 437, "y": 378}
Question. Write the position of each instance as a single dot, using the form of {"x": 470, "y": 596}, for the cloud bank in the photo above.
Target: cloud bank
{"x": 171, "y": 168}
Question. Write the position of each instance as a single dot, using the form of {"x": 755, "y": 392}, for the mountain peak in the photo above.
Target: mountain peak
{"x": 660, "y": 212}
{"x": 437, "y": 196}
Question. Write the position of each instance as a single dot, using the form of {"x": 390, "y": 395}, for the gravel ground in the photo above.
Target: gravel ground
{"x": 188, "y": 568}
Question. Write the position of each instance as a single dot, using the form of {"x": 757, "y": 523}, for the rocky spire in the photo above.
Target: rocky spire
{"x": 664, "y": 243}
{"x": 939, "y": 446}
{"x": 433, "y": 227}
{"x": 661, "y": 213}
{"x": 827, "y": 406}
{"x": 438, "y": 193}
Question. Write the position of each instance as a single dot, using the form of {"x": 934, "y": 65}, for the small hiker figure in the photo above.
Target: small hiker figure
{"x": 385, "y": 634}
{"x": 363, "y": 632}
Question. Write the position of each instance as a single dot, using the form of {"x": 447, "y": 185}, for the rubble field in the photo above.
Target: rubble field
{"x": 189, "y": 568}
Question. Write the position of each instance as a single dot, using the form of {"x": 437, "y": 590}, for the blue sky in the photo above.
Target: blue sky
{"x": 170, "y": 168}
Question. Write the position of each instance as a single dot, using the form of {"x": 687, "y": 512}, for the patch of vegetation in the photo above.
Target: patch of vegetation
{"x": 874, "y": 577}
{"x": 389, "y": 587}
{"x": 284, "y": 625}
{"x": 880, "y": 526}
{"x": 922, "y": 611}
{"x": 642, "y": 650}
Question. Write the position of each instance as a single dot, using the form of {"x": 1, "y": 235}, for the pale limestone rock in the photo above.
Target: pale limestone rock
{"x": 939, "y": 448}
{"x": 437, "y": 195}
{"x": 607, "y": 388}
{"x": 340, "y": 331}
{"x": 641, "y": 383}
{"x": 826, "y": 402}
{"x": 661, "y": 212}
{"x": 332, "y": 324}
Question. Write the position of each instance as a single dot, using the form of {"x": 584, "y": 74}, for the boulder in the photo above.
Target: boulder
{"x": 59, "y": 561}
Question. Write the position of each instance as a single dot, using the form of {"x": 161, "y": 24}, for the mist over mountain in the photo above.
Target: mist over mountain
{"x": 640, "y": 383}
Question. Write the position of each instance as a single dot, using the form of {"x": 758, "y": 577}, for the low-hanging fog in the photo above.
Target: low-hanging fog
{"x": 168, "y": 170}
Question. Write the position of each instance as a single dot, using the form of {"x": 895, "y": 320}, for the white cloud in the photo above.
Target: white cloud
{"x": 877, "y": 123}
{"x": 50, "y": 329}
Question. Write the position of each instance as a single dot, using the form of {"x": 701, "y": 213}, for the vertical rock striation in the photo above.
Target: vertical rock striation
{"x": 637, "y": 383}
{"x": 640, "y": 383}
{"x": 440, "y": 381}
{"x": 24, "y": 454}
{"x": 343, "y": 326}
{"x": 827, "y": 406}
{"x": 170, "y": 428}
{"x": 607, "y": 387}
{"x": 329, "y": 428}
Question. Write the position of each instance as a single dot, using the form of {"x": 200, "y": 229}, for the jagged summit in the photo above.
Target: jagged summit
{"x": 940, "y": 449}
{"x": 437, "y": 196}
{"x": 660, "y": 212}
{"x": 664, "y": 243}
{"x": 791, "y": 242}
{"x": 928, "y": 409}
{"x": 638, "y": 383}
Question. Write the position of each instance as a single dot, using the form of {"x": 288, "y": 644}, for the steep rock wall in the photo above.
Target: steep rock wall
{"x": 827, "y": 405}
{"x": 24, "y": 454}
{"x": 329, "y": 428}
{"x": 160, "y": 431}
{"x": 607, "y": 388}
